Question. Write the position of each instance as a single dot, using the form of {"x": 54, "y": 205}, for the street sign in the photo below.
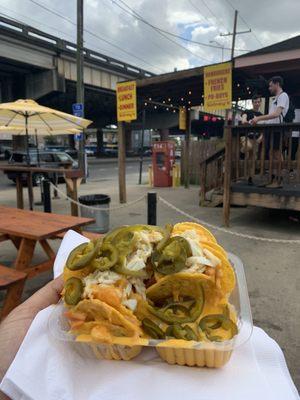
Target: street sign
{"x": 78, "y": 136}
{"x": 126, "y": 101}
{"x": 77, "y": 109}
{"x": 218, "y": 87}
{"x": 182, "y": 118}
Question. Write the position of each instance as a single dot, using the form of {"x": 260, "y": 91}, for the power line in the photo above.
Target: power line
{"x": 31, "y": 19}
{"x": 209, "y": 9}
{"x": 158, "y": 30}
{"x": 197, "y": 9}
{"x": 153, "y": 42}
{"x": 213, "y": 14}
{"x": 140, "y": 18}
{"x": 245, "y": 22}
{"x": 93, "y": 34}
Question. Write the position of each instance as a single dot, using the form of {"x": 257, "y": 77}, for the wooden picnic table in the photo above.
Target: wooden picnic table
{"x": 29, "y": 171}
{"x": 27, "y": 228}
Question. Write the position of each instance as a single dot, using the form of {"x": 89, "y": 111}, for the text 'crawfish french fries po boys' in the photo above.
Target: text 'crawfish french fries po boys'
{"x": 142, "y": 283}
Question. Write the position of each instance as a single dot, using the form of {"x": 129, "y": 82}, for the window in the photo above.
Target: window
{"x": 47, "y": 157}
{"x": 160, "y": 160}
{"x": 63, "y": 157}
{"x": 16, "y": 157}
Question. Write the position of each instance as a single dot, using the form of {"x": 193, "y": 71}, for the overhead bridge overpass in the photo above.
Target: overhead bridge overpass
{"x": 34, "y": 64}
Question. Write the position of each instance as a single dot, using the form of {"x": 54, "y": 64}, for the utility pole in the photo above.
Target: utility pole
{"x": 80, "y": 83}
{"x": 234, "y": 33}
{"x": 228, "y": 138}
{"x": 142, "y": 146}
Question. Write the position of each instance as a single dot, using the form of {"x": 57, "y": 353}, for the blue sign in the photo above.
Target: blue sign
{"x": 77, "y": 109}
{"x": 78, "y": 136}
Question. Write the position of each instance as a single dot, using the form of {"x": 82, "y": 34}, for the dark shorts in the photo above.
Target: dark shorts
{"x": 276, "y": 142}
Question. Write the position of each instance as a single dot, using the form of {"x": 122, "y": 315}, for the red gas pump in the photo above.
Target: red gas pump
{"x": 163, "y": 158}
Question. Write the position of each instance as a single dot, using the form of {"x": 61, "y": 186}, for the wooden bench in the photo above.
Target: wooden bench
{"x": 13, "y": 282}
{"x": 87, "y": 234}
{"x": 3, "y": 238}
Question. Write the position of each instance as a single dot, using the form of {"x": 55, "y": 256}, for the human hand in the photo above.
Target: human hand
{"x": 15, "y": 326}
{"x": 254, "y": 121}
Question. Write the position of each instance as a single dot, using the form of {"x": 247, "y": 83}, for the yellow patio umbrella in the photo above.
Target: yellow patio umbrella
{"x": 30, "y": 116}
{"x": 14, "y": 130}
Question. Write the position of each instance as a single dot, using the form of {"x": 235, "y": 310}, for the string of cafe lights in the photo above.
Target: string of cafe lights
{"x": 170, "y": 107}
{"x": 167, "y": 103}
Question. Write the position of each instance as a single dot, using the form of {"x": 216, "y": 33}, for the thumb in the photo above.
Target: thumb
{"x": 47, "y": 295}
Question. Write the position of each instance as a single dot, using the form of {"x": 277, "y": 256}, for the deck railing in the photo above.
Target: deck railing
{"x": 256, "y": 156}
{"x": 250, "y": 152}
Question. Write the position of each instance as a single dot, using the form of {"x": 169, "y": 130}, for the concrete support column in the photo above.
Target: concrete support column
{"x": 99, "y": 136}
{"x": 39, "y": 84}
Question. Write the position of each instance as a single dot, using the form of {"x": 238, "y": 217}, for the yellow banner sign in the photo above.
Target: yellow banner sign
{"x": 218, "y": 87}
{"x": 126, "y": 101}
{"x": 182, "y": 118}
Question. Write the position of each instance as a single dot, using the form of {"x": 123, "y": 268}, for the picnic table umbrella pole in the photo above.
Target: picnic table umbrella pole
{"x": 27, "y": 138}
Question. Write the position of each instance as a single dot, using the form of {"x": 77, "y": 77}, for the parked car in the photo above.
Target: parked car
{"x": 147, "y": 152}
{"x": 91, "y": 150}
{"x": 110, "y": 151}
{"x": 6, "y": 151}
{"x": 43, "y": 159}
{"x": 72, "y": 152}
{"x": 178, "y": 153}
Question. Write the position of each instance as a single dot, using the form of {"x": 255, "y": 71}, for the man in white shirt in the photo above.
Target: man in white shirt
{"x": 278, "y": 110}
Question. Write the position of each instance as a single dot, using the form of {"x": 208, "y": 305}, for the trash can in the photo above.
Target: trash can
{"x": 101, "y": 216}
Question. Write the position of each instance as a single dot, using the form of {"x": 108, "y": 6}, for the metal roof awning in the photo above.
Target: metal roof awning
{"x": 250, "y": 74}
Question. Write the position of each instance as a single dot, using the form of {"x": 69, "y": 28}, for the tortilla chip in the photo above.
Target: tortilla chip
{"x": 225, "y": 276}
{"x": 104, "y": 323}
{"x": 204, "y": 233}
{"x": 215, "y": 246}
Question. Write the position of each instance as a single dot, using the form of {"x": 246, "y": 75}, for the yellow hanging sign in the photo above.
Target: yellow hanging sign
{"x": 126, "y": 101}
{"x": 182, "y": 118}
{"x": 218, "y": 87}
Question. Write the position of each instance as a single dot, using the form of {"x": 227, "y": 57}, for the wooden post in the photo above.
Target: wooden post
{"x": 151, "y": 208}
{"x": 187, "y": 152}
{"x": 19, "y": 187}
{"x": 298, "y": 160}
{"x": 271, "y": 155}
{"x": 73, "y": 179}
{"x": 203, "y": 170}
{"x": 289, "y": 153}
{"x": 237, "y": 155}
{"x": 74, "y": 196}
{"x": 262, "y": 154}
{"x": 30, "y": 190}
{"x": 227, "y": 173}
{"x": 47, "y": 196}
{"x": 122, "y": 162}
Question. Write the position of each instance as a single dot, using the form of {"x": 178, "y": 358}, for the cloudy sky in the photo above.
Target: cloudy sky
{"x": 115, "y": 27}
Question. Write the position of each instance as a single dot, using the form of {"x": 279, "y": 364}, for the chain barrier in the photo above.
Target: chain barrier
{"x": 178, "y": 210}
{"x": 224, "y": 230}
{"x": 130, "y": 203}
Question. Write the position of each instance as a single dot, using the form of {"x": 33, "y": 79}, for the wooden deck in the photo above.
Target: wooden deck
{"x": 275, "y": 156}
{"x": 242, "y": 194}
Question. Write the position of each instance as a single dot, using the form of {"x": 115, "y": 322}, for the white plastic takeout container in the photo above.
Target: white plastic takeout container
{"x": 201, "y": 354}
